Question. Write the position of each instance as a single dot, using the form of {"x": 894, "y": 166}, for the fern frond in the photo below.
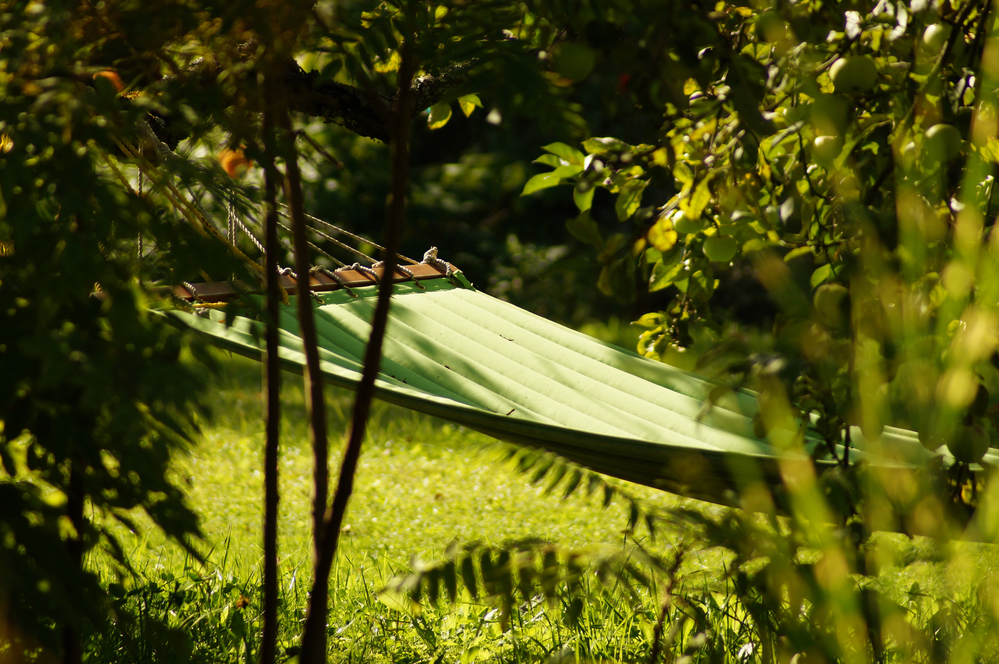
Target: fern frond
{"x": 567, "y": 477}
{"x": 522, "y": 572}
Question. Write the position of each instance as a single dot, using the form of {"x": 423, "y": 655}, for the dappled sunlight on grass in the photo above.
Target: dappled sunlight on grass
{"x": 421, "y": 483}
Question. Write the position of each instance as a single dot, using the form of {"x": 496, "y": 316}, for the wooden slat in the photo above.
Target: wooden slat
{"x": 220, "y": 291}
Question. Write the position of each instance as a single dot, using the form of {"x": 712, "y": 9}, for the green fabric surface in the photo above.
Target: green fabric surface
{"x": 459, "y": 354}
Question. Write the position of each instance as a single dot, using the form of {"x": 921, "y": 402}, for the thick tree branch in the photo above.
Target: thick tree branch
{"x": 366, "y": 112}
{"x": 363, "y": 111}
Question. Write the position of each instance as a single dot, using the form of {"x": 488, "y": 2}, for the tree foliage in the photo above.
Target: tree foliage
{"x": 111, "y": 120}
{"x": 94, "y": 395}
{"x": 842, "y": 160}
{"x": 799, "y": 196}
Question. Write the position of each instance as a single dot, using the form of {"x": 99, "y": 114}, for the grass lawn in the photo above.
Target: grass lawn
{"x": 422, "y": 483}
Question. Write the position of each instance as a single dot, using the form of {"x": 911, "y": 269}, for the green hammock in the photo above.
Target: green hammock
{"x": 456, "y": 353}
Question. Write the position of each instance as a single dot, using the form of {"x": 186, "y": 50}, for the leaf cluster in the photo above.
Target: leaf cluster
{"x": 831, "y": 158}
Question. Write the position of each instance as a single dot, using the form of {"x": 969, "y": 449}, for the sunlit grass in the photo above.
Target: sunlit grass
{"x": 422, "y": 483}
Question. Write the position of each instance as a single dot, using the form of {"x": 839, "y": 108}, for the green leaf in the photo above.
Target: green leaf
{"x": 585, "y": 229}
{"x": 794, "y": 253}
{"x": 549, "y": 574}
{"x": 568, "y": 171}
{"x": 702, "y": 284}
{"x": 649, "y": 320}
{"x": 694, "y": 206}
{"x": 630, "y": 198}
{"x": 566, "y": 152}
{"x": 617, "y": 278}
{"x": 583, "y": 197}
{"x": 664, "y": 273}
{"x": 525, "y": 580}
{"x": 468, "y": 577}
{"x": 549, "y": 160}
{"x": 541, "y": 181}
{"x": 439, "y": 115}
{"x": 573, "y": 611}
{"x": 607, "y": 145}
{"x": 662, "y": 236}
{"x": 573, "y": 483}
{"x": 821, "y": 275}
{"x": 683, "y": 173}
{"x": 574, "y": 61}
{"x": 450, "y": 579}
{"x": 433, "y": 585}
{"x": 468, "y": 103}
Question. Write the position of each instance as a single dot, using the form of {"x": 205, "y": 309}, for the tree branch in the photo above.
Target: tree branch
{"x": 272, "y": 381}
{"x": 365, "y": 112}
{"x": 313, "y": 638}
{"x": 362, "y": 111}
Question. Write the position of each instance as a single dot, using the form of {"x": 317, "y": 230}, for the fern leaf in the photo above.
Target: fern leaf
{"x": 468, "y": 577}
{"x": 450, "y": 579}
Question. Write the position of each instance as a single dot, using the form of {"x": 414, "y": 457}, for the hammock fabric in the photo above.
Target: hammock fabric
{"x": 456, "y": 353}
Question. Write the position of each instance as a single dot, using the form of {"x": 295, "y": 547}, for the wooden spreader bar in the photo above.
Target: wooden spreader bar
{"x": 220, "y": 291}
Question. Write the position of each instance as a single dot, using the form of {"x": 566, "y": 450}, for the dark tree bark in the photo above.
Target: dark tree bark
{"x": 272, "y": 382}
{"x": 366, "y": 112}
{"x": 314, "y": 403}
{"x": 72, "y": 651}
{"x": 362, "y": 111}
{"x": 314, "y": 637}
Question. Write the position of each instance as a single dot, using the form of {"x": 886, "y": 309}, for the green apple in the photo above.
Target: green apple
{"x": 720, "y": 248}
{"x": 943, "y": 141}
{"x": 829, "y": 114}
{"x": 829, "y": 303}
{"x": 931, "y": 440}
{"x": 574, "y": 61}
{"x": 826, "y": 149}
{"x": 969, "y": 443}
{"x": 770, "y": 27}
{"x": 935, "y": 36}
{"x": 684, "y": 225}
{"x": 855, "y": 74}
{"x": 907, "y": 155}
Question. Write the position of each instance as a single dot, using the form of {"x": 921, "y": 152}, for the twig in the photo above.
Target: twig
{"x": 313, "y": 640}
{"x": 320, "y": 149}
{"x": 314, "y": 402}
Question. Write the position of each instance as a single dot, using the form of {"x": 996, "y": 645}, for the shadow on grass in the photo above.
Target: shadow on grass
{"x": 235, "y": 401}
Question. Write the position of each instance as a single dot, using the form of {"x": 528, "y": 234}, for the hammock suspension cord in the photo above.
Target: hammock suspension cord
{"x": 193, "y": 211}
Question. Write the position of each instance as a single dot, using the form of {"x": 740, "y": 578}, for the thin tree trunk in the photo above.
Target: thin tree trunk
{"x": 314, "y": 637}
{"x": 272, "y": 381}
{"x": 314, "y": 403}
{"x": 72, "y": 652}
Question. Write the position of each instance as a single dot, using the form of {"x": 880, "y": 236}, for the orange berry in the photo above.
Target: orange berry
{"x": 234, "y": 162}
{"x": 112, "y": 76}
